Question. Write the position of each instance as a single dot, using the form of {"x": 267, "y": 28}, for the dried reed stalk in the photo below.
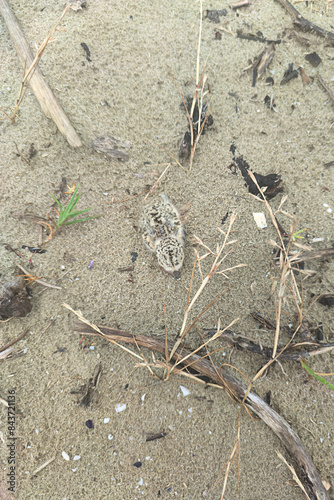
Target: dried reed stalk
{"x": 43, "y": 93}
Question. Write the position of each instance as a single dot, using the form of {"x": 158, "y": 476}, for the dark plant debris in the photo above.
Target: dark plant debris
{"x": 14, "y": 298}
{"x": 86, "y": 49}
{"x": 256, "y": 38}
{"x": 214, "y": 15}
{"x": 269, "y": 102}
{"x": 185, "y": 148}
{"x": 153, "y": 437}
{"x": 270, "y": 81}
{"x": 327, "y": 299}
{"x": 34, "y": 249}
{"x": 90, "y": 388}
{"x": 225, "y": 218}
{"x": 262, "y": 62}
{"x": 290, "y": 74}
{"x": 271, "y": 182}
{"x": 134, "y": 256}
{"x": 313, "y": 59}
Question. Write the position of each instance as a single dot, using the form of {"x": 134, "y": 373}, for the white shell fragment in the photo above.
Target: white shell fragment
{"x": 120, "y": 407}
{"x": 260, "y": 220}
{"x": 65, "y": 455}
{"x": 185, "y": 391}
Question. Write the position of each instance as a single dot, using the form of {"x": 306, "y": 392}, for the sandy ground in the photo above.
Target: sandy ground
{"x": 127, "y": 91}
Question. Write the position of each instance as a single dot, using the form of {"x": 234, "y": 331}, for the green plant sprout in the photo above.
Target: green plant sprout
{"x": 67, "y": 213}
{"x": 296, "y": 235}
{"x": 320, "y": 379}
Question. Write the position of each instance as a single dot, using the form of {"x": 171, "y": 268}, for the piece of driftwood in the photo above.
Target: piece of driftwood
{"x": 307, "y": 471}
{"x": 300, "y": 21}
{"x": 43, "y": 93}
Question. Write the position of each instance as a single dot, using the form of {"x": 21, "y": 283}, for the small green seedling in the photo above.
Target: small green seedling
{"x": 67, "y": 213}
{"x": 296, "y": 235}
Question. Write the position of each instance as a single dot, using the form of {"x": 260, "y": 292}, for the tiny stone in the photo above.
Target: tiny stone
{"x": 185, "y": 391}
{"x": 90, "y": 424}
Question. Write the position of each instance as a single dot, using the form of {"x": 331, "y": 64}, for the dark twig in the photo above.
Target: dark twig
{"x": 300, "y": 21}
{"x": 325, "y": 86}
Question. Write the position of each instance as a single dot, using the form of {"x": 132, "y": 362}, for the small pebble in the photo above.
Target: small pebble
{"x": 185, "y": 391}
{"x": 89, "y": 424}
{"x": 65, "y": 456}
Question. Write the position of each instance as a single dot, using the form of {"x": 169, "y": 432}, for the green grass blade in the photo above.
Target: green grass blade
{"x": 57, "y": 201}
{"x": 320, "y": 379}
{"x": 71, "y": 204}
{"x": 79, "y": 212}
{"x": 68, "y": 212}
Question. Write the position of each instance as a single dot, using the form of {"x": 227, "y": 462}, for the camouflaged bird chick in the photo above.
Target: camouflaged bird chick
{"x": 163, "y": 233}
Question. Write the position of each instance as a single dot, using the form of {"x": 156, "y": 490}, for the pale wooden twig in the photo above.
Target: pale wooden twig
{"x": 41, "y": 282}
{"x": 43, "y": 93}
{"x": 41, "y": 467}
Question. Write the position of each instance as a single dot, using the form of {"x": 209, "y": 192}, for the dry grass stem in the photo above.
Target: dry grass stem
{"x": 97, "y": 329}
{"x": 36, "y": 280}
{"x": 214, "y": 270}
{"x": 229, "y": 464}
{"x": 292, "y": 470}
{"x": 287, "y": 277}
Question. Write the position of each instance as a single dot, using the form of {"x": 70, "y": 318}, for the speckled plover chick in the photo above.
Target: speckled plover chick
{"x": 163, "y": 233}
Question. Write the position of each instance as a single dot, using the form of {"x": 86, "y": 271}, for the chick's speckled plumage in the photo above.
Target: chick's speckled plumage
{"x": 163, "y": 233}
